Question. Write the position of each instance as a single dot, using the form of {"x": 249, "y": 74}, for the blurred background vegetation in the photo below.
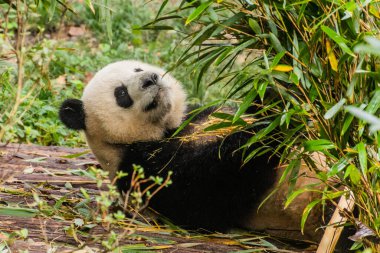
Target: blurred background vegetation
{"x": 312, "y": 67}
{"x": 58, "y": 46}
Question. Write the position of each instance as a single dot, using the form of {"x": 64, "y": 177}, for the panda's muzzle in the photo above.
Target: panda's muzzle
{"x": 150, "y": 81}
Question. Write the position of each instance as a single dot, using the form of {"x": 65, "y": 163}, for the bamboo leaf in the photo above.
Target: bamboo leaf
{"x": 294, "y": 164}
{"x": 362, "y": 157}
{"x": 283, "y": 68}
{"x": 253, "y": 154}
{"x": 294, "y": 195}
{"x": 374, "y": 105}
{"x": 262, "y": 89}
{"x": 76, "y": 155}
{"x": 161, "y": 8}
{"x": 89, "y": 4}
{"x": 277, "y": 58}
{"x": 193, "y": 114}
{"x": 338, "y": 39}
{"x": 347, "y": 124}
{"x": 263, "y": 132}
{"x": 254, "y": 26}
{"x": 332, "y": 59}
{"x": 52, "y": 8}
{"x": 307, "y": 211}
{"x": 353, "y": 173}
{"x": 336, "y": 108}
{"x": 198, "y": 11}
{"x": 18, "y": 211}
{"x": 245, "y": 104}
{"x": 318, "y": 145}
{"x": 276, "y": 43}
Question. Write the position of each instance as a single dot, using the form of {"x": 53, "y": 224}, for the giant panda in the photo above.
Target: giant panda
{"x": 129, "y": 111}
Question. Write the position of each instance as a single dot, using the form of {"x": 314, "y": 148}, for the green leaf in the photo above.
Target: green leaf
{"x": 76, "y": 155}
{"x": 263, "y": 132}
{"x": 338, "y": 39}
{"x": 198, "y": 11}
{"x": 161, "y": 8}
{"x": 253, "y": 154}
{"x": 262, "y": 89}
{"x": 59, "y": 202}
{"x": 362, "y": 157}
{"x": 89, "y": 4}
{"x": 373, "y": 46}
{"x": 245, "y": 104}
{"x": 18, "y": 211}
{"x": 276, "y": 43}
{"x": 307, "y": 211}
{"x": 52, "y": 8}
{"x": 294, "y": 164}
{"x": 353, "y": 173}
{"x": 254, "y": 26}
{"x": 318, "y": 145}
{"x": 294, "y": 195}
{"x": 347, "y": 124}
{"x": 336, "y": 108}
{"x": 203, "y": 35}
{"x": 338, "y": 166}
{"x": 277, "y": 59}
{"x": 193, "y": 114}
{"x": 374, "y": 105}
{"x": 234, "y": 50}
{"x": 23, "y": 233}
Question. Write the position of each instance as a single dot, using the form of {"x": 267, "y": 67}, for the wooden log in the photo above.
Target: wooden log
{"x": 25, "y": 169}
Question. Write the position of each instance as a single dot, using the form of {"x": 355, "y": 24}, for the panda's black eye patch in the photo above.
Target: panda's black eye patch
{"x": 138, "y": 70}
{"x": 122, "y": 97}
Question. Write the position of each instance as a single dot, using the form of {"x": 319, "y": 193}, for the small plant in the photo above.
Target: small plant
{"x": 21, "y": 234}
{"x": 110, "y": 210}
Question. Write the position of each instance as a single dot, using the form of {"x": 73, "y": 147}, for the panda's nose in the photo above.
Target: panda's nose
{"x": 152, "y": 80}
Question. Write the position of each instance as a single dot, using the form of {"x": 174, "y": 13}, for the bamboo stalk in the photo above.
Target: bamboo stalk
{"x": 21, "y": 8}
{"x": 333, "y": 231}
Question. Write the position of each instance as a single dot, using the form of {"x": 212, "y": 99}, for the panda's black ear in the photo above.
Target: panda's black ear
{"x": 72, "y": 114}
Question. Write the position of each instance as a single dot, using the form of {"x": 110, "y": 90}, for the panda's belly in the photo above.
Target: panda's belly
{"x": 210, "y": 187}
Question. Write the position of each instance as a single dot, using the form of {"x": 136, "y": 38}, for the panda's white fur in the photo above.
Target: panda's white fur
{"x": 107, "y": 124}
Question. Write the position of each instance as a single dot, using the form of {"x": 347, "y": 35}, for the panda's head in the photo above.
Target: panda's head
{"x": 125, "y": 102}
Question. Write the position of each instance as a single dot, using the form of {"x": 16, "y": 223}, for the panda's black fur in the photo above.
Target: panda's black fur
{"x": 211, "y": 189}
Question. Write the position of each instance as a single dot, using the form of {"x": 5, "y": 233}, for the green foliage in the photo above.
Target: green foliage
{"x": 49, "y": 66}
{"x": 308, "y": 65}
